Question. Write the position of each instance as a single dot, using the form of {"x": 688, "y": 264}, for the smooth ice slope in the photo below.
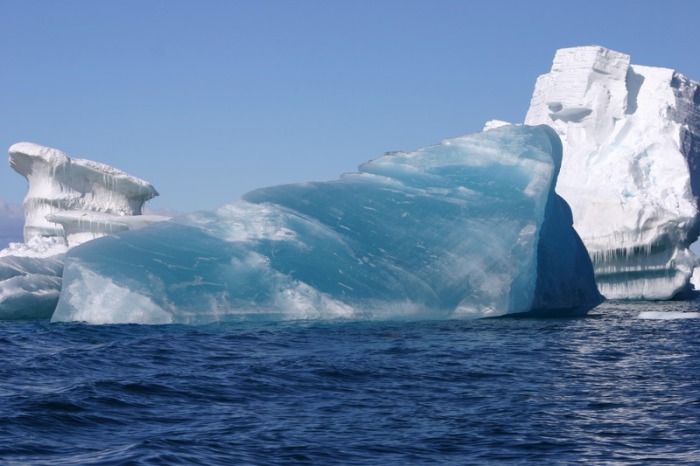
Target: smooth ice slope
{"x": 631, "y": 137}
{"x": 30, "y": 272}
{"x": 59, "y": 183}
{"x": 468, "y": 228}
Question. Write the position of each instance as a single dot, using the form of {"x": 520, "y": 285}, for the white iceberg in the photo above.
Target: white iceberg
{"x": 59, "y": 183}
{"x": 630, "y": 172}
{"x": 467, "y": 228}
{"x": 69, "y": 201}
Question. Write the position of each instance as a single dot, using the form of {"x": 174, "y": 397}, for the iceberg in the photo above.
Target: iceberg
{"x": 467, "y": 228}
{"x": 69, "y": 201}
{"x": 630, "y": 171}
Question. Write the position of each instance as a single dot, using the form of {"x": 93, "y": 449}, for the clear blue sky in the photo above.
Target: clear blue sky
{"x": 209, "y": 99}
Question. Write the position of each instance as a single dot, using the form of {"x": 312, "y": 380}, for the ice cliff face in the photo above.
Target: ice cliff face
{"x": 59, "y": 183}
{"x": 467, "y": 228}
{"x": 69, "y": 201}
{"x": 630, "y": 172}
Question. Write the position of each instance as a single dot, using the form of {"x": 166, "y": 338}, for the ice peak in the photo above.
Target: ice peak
{"x": 30, "y": 149}
{"x": 594, "y": 57}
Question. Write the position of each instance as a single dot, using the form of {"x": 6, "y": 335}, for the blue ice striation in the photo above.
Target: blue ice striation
{"x": 470, "y": 227}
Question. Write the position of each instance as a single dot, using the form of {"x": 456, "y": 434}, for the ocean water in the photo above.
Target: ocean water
{"x": 620, "y": 386}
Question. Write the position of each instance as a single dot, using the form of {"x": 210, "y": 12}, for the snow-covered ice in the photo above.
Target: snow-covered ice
{"x": 69, "y": 201}
{"x": 631, "y": 137}
{"x": 467, "y": 228}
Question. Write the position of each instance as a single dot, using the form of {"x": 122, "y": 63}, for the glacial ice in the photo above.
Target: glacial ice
{"x": 467, "y": 228}
{"x": 630, "y": 171}
{"x": 69, "y": 201}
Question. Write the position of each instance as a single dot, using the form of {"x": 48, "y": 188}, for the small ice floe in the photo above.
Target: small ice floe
{"x": 668, "y": 315}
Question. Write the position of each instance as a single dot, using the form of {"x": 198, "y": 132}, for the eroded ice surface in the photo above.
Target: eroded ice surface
{"x": 467, "y": 228}
{"x": 631, "y": 137}
{"x": 60, "y": 183}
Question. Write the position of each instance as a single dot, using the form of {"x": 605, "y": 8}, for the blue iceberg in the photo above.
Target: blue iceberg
{"x": 471, "y": 227}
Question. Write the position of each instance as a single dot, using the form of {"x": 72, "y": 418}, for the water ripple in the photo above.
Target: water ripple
{"x": 611, "y": 388}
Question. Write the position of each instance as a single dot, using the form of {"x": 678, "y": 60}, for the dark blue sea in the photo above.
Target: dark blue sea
{"x": 609, "y": 388}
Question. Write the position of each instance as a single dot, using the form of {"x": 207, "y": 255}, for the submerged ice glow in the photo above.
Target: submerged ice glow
{"x": 470, "y": 227}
